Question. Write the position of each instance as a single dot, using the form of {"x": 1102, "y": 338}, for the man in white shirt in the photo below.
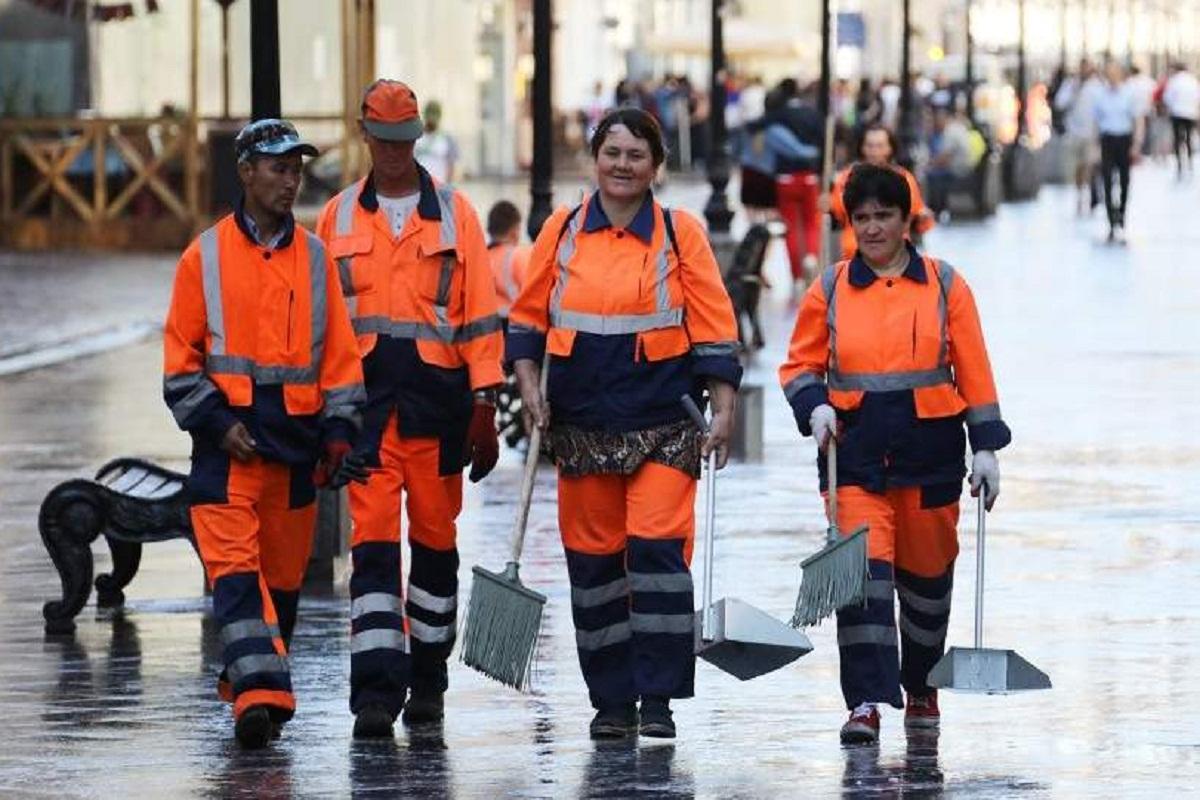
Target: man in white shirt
{"x": 1075, "y": 99}
{"x": 1120, "y": 125}
{"x": 1182, "y": 99}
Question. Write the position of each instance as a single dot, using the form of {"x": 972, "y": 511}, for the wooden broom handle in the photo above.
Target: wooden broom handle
{"x": 527, "y": 480}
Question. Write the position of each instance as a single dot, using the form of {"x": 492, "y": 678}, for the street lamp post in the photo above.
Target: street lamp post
{"x": 908, "y": 135}
{"x": 970, "y": 64}
{"x": 716, "y": 210}
{"x": 541, "y": 174}
{"x": 264, "y": 59}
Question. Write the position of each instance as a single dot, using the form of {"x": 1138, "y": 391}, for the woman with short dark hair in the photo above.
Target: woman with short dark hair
{"x": 626, "y": 298}
{"x": 887, "y": 359}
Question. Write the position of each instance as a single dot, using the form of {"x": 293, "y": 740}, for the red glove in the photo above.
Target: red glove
{"x": 483, "y": 442}
{"x": 335, "y": 454}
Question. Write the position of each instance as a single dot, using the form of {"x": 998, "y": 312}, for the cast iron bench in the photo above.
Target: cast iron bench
{"x": 131, "y": 502}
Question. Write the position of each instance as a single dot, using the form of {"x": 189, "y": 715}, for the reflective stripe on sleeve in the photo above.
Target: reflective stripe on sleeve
{"x": 800, "y": 382}
{"x": 214, "y": 310}
{"x": 198, "y": 388}
{"x": 989, "y": 412}
{"x": 888, "y": 381}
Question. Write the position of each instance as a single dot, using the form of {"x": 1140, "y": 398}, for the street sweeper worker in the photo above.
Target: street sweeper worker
{"x": 877, "y": 145}
{"x": 888, "y": 357}
{"x": 415, "y": 276}
{"x": 261, "y": 368}
{"x": 507, "y": 255}
{"x": 626, "y": 297}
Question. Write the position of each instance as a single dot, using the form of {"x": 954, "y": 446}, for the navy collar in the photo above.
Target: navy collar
{"x": 641, "y": 226}
{"x": 247, "y": 228}
{"x": 862, "y": 276}
{"x": 428, "y": 206}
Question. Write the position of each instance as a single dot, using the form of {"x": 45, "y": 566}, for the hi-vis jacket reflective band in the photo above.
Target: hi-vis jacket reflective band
{"x": 263, "y": 318}
{"x": 431, "y": 283}
{"x": 919, "y": 331}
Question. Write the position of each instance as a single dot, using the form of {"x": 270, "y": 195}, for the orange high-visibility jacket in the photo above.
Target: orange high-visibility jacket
{"x": 914, "y": 342}
{"x": 431, "y": 284}
{"x": 920, "y": 221}
{"x": 508, "y": 263}
{"x": 249, "y": 325}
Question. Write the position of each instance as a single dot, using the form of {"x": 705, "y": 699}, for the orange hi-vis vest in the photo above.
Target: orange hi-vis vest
{"x": 896, "y": 334}
{"x": 508, "y": 270}
{"x": 243, "y": 316}
{"x": 431, "y": 284}
{"x": 589, "y": 293}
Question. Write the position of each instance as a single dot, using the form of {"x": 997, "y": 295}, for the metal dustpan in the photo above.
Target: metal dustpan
{"x": 732, "y": 635}
{"x": 978, "y": 668}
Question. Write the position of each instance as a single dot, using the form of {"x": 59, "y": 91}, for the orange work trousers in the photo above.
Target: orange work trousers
{"x": 628, "y": 542}
{"x": 255, "y": 547}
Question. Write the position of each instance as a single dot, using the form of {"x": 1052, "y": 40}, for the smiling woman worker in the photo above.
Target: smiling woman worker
{"x": 627, "y": 298}
{"x": 888, "y": 357}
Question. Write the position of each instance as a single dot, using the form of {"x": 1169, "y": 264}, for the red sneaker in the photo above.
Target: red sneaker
{"x": 922, "y": 711}
{"x": 863, "y": 725}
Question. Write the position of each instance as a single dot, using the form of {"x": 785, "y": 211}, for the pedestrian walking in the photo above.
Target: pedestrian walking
{"x": 1075, "y": 99}
{"x": 1182, "y": 99}
{"x": 798, "y": 180}
{"x": 877, "y": 145}
{"x": 626, "y": 297}
{"x": 415, "y": 276}
{"x": 261, "y": 368}
{"x": 436, "y": 150}
{"x": 507, "y": 256}
{"x": 1120, "y": 127}
{"x": 888, "y": 358}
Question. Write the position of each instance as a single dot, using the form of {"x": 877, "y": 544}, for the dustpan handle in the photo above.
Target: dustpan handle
{"x": 532, "y": 457}
{"x": 710, "y": 516}
{"x": 980, "y": 524}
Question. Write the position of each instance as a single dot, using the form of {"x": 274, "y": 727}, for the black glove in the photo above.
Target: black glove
{"x": 353, "y": 468}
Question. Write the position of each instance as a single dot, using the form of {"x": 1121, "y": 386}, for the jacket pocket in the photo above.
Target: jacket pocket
{"x": 355, "y": 273}
{"x": 301, "y": 399}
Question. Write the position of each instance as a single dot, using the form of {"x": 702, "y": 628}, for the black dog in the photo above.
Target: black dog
{"x": 745, "y": 281}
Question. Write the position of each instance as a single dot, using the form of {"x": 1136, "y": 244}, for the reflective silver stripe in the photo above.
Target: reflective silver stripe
{"x": 449, "y": 229}
{"x": 264, "y": 374}
{"x": 214, "y": 310}
{"x": 925, "y": 605}
{"x": 660, "y": 582}
{"x": 802, "y": 381}
{"x": 888, "y": 381}
{"x": 438, "y": 604}
{"x": 441, "y": 303}
{"x": 829, "y": 280}
{"x": 664, "y": 295}
{"x": 247, "y": 629}
{"x": 378, "y": 639}
{"x": 427, "y": 331}
{"x": 253, "y": 664}
{"x": 344, "y": 402}
{"x": 344, "y": 226}
{"x": 376, "y": 603}
{"x": 604, "y": 637}
{"x": 317, "y": 304}
{"x": 985, "y": 413}
{"x": 430, "y": 634}
{"x": 599, "y": 595}
{"x": 566, "y": 251}
{"x": 199, "y": 389}
{"x": 880, "y": 590}
{"x": 611, "y": 325}
{"x": 715, "y": 349}
{"x": 516, "y": 327}
{"x": 662, "y": 623}
{"x": 882, "y": 635}
{"x": 928, "y": 638}
{"x": 945, "y": 275}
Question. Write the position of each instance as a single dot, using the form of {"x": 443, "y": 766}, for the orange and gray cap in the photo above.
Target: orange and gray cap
{"x": 270, "y": 137}
{"x": 390, "y": 112}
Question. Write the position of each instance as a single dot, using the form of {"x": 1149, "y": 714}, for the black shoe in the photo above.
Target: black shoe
{"x": 656, "y": 718}
{"x": 424, "y": 707}
{"x": 373, "y": 722}
{"x": 254, "y": 727}
{"x": 615, "y": 722}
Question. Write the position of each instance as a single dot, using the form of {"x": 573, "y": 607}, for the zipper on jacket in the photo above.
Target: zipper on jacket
{"x": 291, "y": 302}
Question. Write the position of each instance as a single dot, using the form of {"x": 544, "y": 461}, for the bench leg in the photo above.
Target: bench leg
{"x": 70, "y": 519}
{"x": 126, "y": 556}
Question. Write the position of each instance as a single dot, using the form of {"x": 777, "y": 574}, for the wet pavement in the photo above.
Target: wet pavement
{"x": 1094, "y": 560}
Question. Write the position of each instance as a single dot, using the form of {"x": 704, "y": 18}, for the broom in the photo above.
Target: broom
{"x": 836, "y": 576}
{"x": 504, "y": 616}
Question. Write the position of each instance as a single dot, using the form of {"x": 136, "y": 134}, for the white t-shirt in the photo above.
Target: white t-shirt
{"x": 1182, "y": 96}
{"x": 398, "y": 209}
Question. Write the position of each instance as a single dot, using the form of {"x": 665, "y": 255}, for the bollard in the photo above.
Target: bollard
{"x": 330, "y": 538}
{"x": 747, "y": 444}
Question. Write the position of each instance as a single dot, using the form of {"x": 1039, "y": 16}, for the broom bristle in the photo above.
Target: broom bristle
{"x": 833, "y": 578}
{"x": 501, "y": 630}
